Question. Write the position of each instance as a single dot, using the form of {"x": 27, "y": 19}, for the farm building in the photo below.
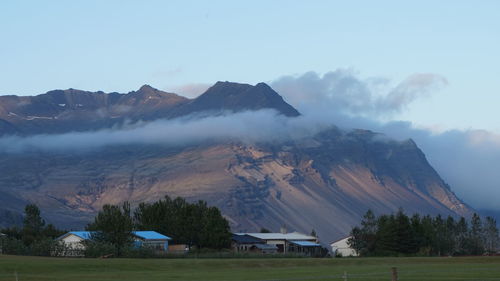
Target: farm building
{"x": 73, "y": 240}
{"x": 342, "y": 248}
{"x": 247, "y": 243}
{"x": 287, "y": 243}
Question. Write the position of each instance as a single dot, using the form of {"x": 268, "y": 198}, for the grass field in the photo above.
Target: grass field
{"x": 76, "y": 269}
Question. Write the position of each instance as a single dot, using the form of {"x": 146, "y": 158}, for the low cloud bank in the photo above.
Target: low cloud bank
{"x": 250, "y": 126}
{"x": 467, "y": 160}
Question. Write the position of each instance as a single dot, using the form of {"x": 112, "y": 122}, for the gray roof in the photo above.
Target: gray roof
{"x": 282, "y": 236}
{"x": 245, "y": 239}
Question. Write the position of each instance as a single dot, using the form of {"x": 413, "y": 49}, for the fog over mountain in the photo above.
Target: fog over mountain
{"x": 244, "y": 149}
{"x": 467, "y": 159}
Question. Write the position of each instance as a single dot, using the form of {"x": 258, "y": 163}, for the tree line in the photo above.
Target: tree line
{"x": 194, "y": 224}
{"x": 399, "y": 234}
{"x": 35, "y": 237}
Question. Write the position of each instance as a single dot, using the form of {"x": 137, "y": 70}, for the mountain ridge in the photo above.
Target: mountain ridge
{"x": 60, "y": 111}
{"x": 324, "y": 181}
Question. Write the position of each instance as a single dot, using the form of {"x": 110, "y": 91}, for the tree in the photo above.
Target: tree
{"x": 313, "y": 233}
{"x": 194, "y": 224}
{"x": 491, "y": 239}
{"x": 264, "y": 230}
{"x": 363, "y": 238}
{"x": 32, "y": 224}
{"x": 476, "y": 235}
{"x": 113, "y": 225}
{"x": 462, "y": 237}
{"x": 387, "y": 236}
{"x": 404, "y": 235}
{"x": 450, "y": 236}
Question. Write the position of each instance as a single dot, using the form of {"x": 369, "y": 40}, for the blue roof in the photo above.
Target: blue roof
{"x": 153, "y": 235}
{"x": 82, "y": 234}
{"x": 305, "y": 243}
{"x": 146, "y": 235}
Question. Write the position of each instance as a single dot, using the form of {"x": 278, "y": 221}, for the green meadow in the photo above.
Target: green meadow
{"x": 76, "y": 269}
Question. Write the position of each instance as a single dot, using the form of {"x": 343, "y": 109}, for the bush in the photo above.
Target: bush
{"x": 99, "y": 249}
{"x": 12, "y": 246}
{"x": 42, "y": 247}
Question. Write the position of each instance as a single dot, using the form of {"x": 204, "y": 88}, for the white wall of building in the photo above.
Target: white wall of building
{"x": 341, "y": 247}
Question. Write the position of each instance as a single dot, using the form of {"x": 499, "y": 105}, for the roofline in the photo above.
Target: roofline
{"x": 133, "y": 234}
{"x": 72, "y": 233}
{"x": 340, "y": 239}
{"x": 135, "y": 231}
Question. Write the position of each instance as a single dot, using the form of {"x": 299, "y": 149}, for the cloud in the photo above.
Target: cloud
{"x": 250, "y": 126}
{"x": 467, "y": 159}
{"x": 343, "y": 91}
{"x": 415, "y": 86}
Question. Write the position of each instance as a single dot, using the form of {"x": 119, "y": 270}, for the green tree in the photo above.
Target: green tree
{"x": 387, "y": 236}
{"x": 194, "y": 224}
{"x": 476, "y": 235}
{"x": 462, "y": 237}
{"x": 32, "y": 224}
{"x": 450, "y": 236}
{"x": 113, "y": 225}
{"x": 491, "y": 239}
{"x": 406, "y": 243}
{"x": 363, "y": 239}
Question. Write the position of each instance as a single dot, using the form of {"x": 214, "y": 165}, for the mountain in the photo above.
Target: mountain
{"x": 325, "y": 181}
{"x": 235, "y": 97}
{"x": 69, "y": 110}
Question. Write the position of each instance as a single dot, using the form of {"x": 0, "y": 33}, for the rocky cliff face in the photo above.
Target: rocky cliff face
{"x": 323, "y": 182}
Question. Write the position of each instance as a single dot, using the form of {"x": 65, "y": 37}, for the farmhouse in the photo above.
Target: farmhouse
{"x": 247, "y": 243}
{"x": 286, "y": 243}
{"x": 73, "y": 241}
{"x": 342, "y": 248}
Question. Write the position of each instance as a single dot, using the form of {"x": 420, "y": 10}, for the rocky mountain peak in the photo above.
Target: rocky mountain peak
{"x": 230, "y": 96}
{"x": 146, "y": 89}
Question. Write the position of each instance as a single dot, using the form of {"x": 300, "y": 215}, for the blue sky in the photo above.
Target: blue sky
{"x": 120, "y": 45}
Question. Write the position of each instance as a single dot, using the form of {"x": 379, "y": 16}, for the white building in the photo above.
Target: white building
{"x": 340, "y": 247}
{"x": 74, "y": 241}
{"x": 294, "y": 242}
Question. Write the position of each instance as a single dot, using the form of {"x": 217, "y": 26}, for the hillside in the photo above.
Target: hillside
{"x": 324, "y": 181}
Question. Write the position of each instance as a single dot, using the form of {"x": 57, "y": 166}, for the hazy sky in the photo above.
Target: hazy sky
{"x": 120, "y": 45}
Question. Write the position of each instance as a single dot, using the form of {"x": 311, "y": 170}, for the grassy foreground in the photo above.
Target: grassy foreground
{"x": 76, "y": 269}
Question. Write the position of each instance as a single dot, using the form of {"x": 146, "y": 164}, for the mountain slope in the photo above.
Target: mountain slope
{"x": 323, "y": 182}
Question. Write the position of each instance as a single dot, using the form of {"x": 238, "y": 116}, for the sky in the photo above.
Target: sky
{"x": 421, "y": 69}
{"x": 121, "y": 45}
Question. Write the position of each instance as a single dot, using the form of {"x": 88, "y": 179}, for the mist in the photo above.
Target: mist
{"x": 467, "y": 160}
{"x": 248, "y": 127}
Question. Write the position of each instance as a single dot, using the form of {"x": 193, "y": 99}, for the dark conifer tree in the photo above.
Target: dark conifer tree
{"x": 33, "y": 224}
{"x": 113, "y": 225}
